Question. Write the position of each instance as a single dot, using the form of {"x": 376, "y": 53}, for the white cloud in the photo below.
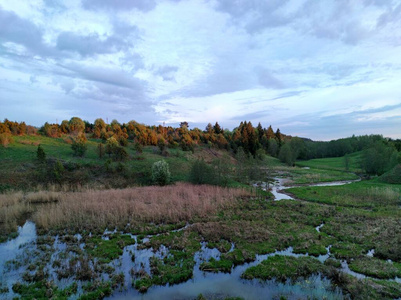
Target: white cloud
{"x": 315, "y": 69}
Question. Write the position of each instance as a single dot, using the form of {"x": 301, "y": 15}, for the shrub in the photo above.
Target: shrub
{"x": 202, "y": 173}
{"x": 120, "y": 154}
{"x": 79, "y": 145}
{"x": 5, "y": 139}
{"x": 161, "y": 143}
{"x": 160, "y": 173}
{"x": 100, "y": 150}
{"x": 138, "y": 147}
{"x": 58, "y": 171}
{"x": 40, "y": 153}
{"x": 379, "y": 159}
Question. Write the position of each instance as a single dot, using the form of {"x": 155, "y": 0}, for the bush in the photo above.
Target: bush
{"x": 58, "y": 172}
{"x": 5, "y": 139}
{"x": 138, "y": 148}
{"x": 202, "y": 173}
{"x": 40, "y": 153}
{"x": 379, "y": 159}
{"x": 160, "y": 173}
{"x": 79, "y": 145}
{"x": 287, "y": 155}
{"x": 120, "y": 154}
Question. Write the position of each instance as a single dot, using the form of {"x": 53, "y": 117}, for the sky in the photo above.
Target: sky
{"x": 316, "y": 69}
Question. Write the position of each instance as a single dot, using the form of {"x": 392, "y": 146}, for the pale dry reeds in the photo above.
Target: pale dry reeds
{"x": 96, "y": 210}
{"x": 12, "y": 208}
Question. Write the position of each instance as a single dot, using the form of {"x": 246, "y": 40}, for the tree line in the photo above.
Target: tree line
{"x": 379, "y": 153}
{"x": 246, "y": 136}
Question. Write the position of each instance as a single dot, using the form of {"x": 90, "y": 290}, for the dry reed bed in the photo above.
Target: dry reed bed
{"x": 96, "y": 210}
{"x": 12, "y": 208}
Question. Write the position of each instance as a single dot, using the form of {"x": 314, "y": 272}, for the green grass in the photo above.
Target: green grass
{"x": 334, "y": 163}
{"x": 282, "y": 268}
{"x": 314, "y": 175}
{"x": 365, "y": 194}
{"x": 41, "y": 290}
{"x": 223, "y": 246}
{"x": 214, "y": 265}
{"x": 108, "y": 250}
{"x": 175, "y": 268}
{"x": 376, "y": 267}
{"x": 20, "y": 165}
{"x": 393, "y": 176}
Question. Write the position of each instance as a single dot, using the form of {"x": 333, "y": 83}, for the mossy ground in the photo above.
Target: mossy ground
{"x": 376, "y": 267}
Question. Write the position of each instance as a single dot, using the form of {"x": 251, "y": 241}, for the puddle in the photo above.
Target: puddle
{"x": 319, "y": 227}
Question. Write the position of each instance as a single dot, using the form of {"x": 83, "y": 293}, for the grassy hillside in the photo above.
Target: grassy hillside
{"x": 20, "y": 166}
{"x": 334, "y": 163}
{"x": 393, "y": 176}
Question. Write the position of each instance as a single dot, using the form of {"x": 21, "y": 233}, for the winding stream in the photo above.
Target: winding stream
{"x": 277, "y": 189}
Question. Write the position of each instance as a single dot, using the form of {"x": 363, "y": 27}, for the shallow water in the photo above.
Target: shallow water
{"x": 207, "y": 283}
{"x": 11, "y": 250}
{"x": 231, "y": 284}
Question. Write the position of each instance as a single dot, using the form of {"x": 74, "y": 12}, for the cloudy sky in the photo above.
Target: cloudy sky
{"x": 317, "y": 69}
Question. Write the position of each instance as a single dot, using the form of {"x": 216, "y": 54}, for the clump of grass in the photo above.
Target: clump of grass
{"x": 175, "y": 268}
{"x": 223, "y": 245}
{"x": 236, "y": 257}
{"x": 96, "y": 290}
{"x": 214, "y": 265}
{"x": 364, "y": 288}
{"x": 108, "y": 250}
{"x": 344, "y": 250}
{"x": 333, "y": 263}
{"x": 44, "y": 290}
{"x": 283, "y": 267}
{"x": 375, "y": 267}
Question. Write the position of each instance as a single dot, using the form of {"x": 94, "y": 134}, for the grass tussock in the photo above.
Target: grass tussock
{"x": 116, "y": 208}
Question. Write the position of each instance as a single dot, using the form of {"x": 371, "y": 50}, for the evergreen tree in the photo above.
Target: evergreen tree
{"x": 217, "y": 129}
{"x": 40, "y": 153}
{"x": 260, "y": 131}
{"x": 278, "y": 137}
{"x": 270, "y": 133}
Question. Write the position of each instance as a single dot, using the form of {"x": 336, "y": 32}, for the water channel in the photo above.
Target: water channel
{"x": 216, "y": 285}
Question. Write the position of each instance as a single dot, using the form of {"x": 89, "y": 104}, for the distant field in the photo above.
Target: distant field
{"x": 334, "y": 163}
{"x": 370, "y": 194}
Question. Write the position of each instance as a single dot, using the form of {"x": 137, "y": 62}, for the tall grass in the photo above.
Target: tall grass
{"x": 96, "y": 210}
{"x": 12, "y": 209}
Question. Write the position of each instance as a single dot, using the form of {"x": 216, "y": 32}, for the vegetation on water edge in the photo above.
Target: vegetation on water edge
{"x": 376, "y": 267}
{"x": 282, "y": 268}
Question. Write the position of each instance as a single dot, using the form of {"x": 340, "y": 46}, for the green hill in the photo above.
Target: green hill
{"x": 393, "y": 176}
